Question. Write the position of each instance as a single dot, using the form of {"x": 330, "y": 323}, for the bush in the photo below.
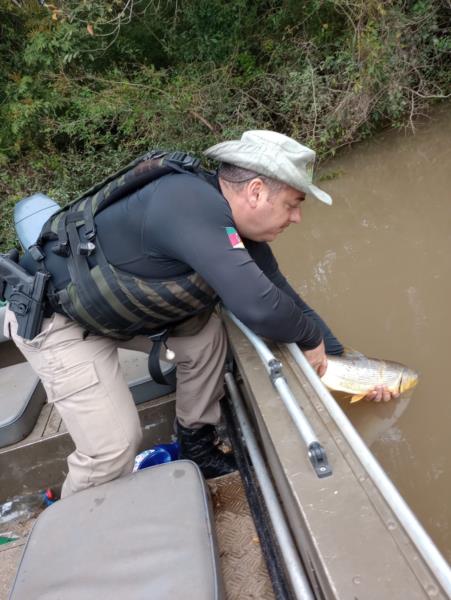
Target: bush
{"x": 86, "y": 86}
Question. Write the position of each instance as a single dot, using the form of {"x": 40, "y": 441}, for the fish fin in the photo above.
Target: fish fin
{"x": 351, "y": 353}
{"x": 357, "y": 398}
{"x": 341, "y": 396}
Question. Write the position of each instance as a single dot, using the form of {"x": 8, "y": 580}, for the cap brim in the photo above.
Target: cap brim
{"x": 319, "y": 194}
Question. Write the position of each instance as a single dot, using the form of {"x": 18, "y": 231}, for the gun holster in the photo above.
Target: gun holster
{"x": 25, "y": 293}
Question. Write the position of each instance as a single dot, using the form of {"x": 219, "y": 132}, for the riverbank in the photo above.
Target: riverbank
{"x": 87, "y": 87}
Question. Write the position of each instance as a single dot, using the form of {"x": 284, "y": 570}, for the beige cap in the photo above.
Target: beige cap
{"x": 274, "y": 155}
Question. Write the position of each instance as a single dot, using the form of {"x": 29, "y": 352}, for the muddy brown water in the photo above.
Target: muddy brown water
{"x": 377, "y": 267}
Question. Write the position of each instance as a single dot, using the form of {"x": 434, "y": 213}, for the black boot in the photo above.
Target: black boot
{"x": 199, "y": 446}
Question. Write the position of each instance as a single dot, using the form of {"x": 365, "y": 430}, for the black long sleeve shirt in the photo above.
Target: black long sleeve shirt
{"x": 181, "y": 223}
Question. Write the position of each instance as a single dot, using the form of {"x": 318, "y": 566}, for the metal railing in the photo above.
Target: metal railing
{"x": 316, "y": 452}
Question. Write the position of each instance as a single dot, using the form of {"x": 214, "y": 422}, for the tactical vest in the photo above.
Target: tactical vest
{"x": 104, "y": 299}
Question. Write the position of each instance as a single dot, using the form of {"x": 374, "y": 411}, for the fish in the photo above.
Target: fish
{"x": 356, "y": 374}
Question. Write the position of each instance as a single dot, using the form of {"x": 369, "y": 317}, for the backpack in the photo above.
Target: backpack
{"x": 104, "y": 299}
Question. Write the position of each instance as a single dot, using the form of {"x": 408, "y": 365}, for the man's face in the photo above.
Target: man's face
{"x": 272, "y": 211}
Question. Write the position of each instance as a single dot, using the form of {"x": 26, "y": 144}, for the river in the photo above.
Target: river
{"x": 376, "y": 266}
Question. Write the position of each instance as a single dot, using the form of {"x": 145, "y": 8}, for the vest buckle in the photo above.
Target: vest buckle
{"x": 61, "y": 249}
{"x": 86, "y": 248}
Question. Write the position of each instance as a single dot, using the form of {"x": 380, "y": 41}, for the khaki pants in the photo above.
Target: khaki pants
{"x": 84, "y": 379}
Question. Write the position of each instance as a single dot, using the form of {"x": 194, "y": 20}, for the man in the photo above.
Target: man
{"x": 169, "y": 250}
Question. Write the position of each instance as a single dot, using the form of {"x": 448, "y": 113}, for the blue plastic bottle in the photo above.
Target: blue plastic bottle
{"x": 161, "y": 453}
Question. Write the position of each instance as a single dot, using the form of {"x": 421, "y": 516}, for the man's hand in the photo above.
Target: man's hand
{"x": 381, "y": 394}
{"x": 317, "y": 358}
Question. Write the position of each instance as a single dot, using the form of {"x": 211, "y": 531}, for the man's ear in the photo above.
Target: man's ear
{"x": 254, "y": 192}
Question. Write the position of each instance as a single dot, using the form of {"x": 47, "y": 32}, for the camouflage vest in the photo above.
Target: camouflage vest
{"x": 107, "y": 300}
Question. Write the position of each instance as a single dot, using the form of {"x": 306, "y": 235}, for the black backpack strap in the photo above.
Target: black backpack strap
{"x": 154, "y": 357}
{"x": 62, "y": 248}
{"x": 88, "y": 217}
{"x": 92, "y": 300}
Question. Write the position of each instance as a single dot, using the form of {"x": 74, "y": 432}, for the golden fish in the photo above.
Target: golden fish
{"x": 356, "y": 374}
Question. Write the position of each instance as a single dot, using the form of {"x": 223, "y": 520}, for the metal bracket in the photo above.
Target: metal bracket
{"x": 318, "y": 458}
{"x": 275, "y": 369}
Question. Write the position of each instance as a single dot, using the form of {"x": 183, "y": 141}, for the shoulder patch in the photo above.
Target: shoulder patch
{"x": 234, "y": 238}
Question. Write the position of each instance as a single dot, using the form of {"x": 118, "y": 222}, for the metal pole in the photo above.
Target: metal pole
{"x": 413, "y": 528}
{"x": 295, "y": 571}
{"x": 316, "y": 452}
{"x": 295, "y": 412}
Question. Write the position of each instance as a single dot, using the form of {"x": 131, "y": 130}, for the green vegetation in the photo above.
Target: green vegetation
{"x": 85, "y": 86}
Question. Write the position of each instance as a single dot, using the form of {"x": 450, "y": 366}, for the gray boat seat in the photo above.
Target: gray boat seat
{"x": 22, "y": 397}
{"x": 148, "y": 535}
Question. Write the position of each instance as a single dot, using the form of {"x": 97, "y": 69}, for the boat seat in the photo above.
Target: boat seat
{"x": 22, "y": 398}
{"x": 147, "y": 535}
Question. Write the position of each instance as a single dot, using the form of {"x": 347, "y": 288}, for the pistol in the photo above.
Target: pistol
{"x": 25, "y": 294}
